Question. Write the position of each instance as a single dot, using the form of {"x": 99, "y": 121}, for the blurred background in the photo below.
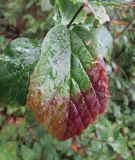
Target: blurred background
{"x": 112, "y": 136}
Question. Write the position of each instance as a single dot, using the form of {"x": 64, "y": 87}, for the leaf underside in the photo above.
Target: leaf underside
{"x": 69, "y": 88}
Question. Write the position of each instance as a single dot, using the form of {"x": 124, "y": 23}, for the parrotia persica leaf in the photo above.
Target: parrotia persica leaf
{"x": 16, "y": 65}
{"x": 114, "y": 3}
{"x": 68, "y": 88}
{"x": 104, "y": 42}
{"x": 99, "y": 11}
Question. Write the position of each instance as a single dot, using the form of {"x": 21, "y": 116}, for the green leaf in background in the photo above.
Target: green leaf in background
{"x": 114, "y": 3}
{"x": 120, "y": 146}
{"x": 105, "y": 42}
{"x": 63, "y": 73}
{"x": 2, "y": 120}
{"x": 8, "y": 151}
{"x": 111, "y": 135}
{"x": 95, "y": 145}
{"x": 27, "y": 153}
{"x": 99, "y": 12}
{"x": 2, "y": 43}
{"x": 16, "y": 65}
{"x": 68, "y": 9}
{"x": 52, "y": 2}
{"x": 104, "y": 130}
{"x": 46, "y": 5}
{"x": 8, "y": 133}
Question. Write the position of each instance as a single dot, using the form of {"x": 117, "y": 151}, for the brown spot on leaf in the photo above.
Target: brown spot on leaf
{"x": 88, "y": 42}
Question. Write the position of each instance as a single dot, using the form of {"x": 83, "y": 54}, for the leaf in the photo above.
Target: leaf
{"x": 62, "y": 147}
{"x": 104, "y": 130}
{"x": 95, "y": 145}
{"x": 2, "y": 43}
{"x": 120, "y": 146}
{"x": 8, "y": 132}
{"x": 46, "y": 5}
{"x": 52, "y": 2}
{"x": 2, "y": 119}
{"x": 114, "y": 3}
{"x": 57, "y": 16}
{"x": 99, "y": 11}
{"x": 104, "y": 42}
{"x": 22, "y": 129}
{"x": 27, "y": 152}
{"x": 106, "y": 3}
{"x": 68, "y": 88}
{"x": 8, "y": 151}
{"x": 68, "y": 9}
{"x": 16, "y": 65}
{"x": 132, "y": 92}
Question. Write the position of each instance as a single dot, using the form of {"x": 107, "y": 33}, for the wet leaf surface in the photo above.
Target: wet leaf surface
{"x": 68, "y": 88}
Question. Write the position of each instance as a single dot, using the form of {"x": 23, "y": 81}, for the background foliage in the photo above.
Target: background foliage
{"x": 113, "y": 135}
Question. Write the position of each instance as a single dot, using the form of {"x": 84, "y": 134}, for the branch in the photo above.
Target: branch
{"x": 125, "y": 29}
{"x": 77, "y": 13}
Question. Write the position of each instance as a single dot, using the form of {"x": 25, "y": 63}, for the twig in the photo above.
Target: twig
{"x": 77, "y": 13}
{"x": 129, "y": 24}
{"x": 125, "y": 29}
{"x": 111, "y": 20}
